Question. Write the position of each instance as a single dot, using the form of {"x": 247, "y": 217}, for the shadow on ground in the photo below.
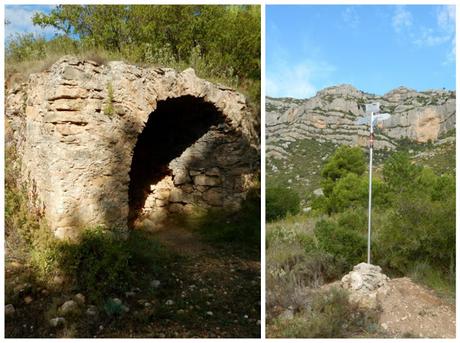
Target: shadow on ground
{"x": 188, "y": 287}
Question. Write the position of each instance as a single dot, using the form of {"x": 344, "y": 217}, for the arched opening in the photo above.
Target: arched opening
{"x": 175, "y": 125}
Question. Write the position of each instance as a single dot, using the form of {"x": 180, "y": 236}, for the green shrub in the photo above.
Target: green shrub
{"x": 399, "y": 173}
{"x": 353, "y": 220}
{"x": 280, "y": 202}
{"x": 309, "y": 243}
{"x": 99, "y": 263}
{"x": 343, "y": 244}
{"x": 348, "y": 192}
{"x": 344, "y": 161}
{"x": 420, "y": 229}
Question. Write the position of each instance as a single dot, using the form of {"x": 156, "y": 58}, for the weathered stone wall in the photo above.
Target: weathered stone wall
{"x": 76, "y": 126}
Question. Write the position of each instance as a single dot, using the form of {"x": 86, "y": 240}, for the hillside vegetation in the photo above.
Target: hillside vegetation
{"x": 222, "y": 43}
{"x": 413, "y": 235}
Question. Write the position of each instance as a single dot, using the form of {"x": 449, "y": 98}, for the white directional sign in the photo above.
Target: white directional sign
{"x": 375, "y": 119}
{"x": 373, "y": 107}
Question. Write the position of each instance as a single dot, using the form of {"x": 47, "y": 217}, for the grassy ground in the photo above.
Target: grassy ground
{"x": 295, "y": 306}
{"x": 214, "y": 292}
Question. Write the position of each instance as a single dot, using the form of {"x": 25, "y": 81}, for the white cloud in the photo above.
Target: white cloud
{"x": 296, "y": 81}
{"x": 446, "y": 18}
{"x": 19, "y": 20}
{"x": 430, "y": 37}
{"x": 350, "y": 17}
{"x": 402, "y": 19}
{"x": 441, "y": 34}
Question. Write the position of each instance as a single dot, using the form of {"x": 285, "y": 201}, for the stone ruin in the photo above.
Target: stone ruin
{"x": 112, "y": 144}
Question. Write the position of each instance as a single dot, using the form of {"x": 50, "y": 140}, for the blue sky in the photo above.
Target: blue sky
{"x": 376, "y": 48}
{"x": 20, "y": 18}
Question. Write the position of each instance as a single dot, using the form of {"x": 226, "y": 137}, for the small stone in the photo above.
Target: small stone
{"x": 117, "y": 301}
{"x": 155, "y": 283}
{"x": 56, "y": 322}
{"x": 287, "y": 315}
{"x": 91, "y": 311}
{"x": 80, "y": 298}
{"x": 209, "y": 313}
{"x": 69, "y": 306}
{"x": 169, "y": 302}
{"x": 147, "y": 304}
{"x": 28, "y": 299}
{"x": 58, "y": 280}
{"x": 9, "y": 310}
{"x": 180, "y": 311}
{"x": 125, "y": 308}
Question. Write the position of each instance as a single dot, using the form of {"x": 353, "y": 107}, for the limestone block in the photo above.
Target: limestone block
{"x": 181, "y": 176}
{"x": 204, "y": 180}
{"x": 214, "y": 197}
{"x": 213, "y": 171}
{"x": 176, "y": 195}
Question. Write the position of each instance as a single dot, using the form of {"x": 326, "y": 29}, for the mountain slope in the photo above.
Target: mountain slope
{"x": 330, "y": 115}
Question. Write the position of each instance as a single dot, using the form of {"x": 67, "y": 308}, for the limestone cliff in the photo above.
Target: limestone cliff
{"x": 330, "y": 115}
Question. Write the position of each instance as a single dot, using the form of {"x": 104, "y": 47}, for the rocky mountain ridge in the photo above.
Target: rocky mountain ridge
{"x": 331, "y": 114}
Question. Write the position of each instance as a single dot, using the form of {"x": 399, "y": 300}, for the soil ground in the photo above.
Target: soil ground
{"x": 411, "y": 310}
{"x": 206, "y": 290}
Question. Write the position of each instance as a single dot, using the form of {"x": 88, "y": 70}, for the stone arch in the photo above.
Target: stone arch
{"x": 172, "y": 128}
{"x": 80, "y": 127}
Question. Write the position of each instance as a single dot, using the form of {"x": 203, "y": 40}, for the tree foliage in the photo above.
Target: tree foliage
{"x": 344, "y": 161}
{"x": 227, "y": 37}
{"x": 414, "y": 213}
{"x": 280, "y": 202}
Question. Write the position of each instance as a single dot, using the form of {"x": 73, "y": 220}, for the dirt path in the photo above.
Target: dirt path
{"x": 412, "y": 310}
{"x": 181, "y": 241}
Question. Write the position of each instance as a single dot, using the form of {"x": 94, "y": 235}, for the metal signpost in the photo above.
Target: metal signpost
{"x": 374, "y": 116}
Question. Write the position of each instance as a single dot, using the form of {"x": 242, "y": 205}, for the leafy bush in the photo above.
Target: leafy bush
{"x": 280, "y": 202}
{"x": 99, "y": 263}
{"x": 345, "y": 160}
{"x": 420, "y": 229}
{"x": 353, "y": 220}
{"x": 399, "y": 173}
{"x": 348, "y": 192}
{"x": 348, "y": 246}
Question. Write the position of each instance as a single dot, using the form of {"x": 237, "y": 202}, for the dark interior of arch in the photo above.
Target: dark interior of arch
{"x": 175, "y": 125}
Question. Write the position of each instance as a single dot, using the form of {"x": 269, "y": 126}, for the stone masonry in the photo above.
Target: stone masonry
{"x": 76, "y": 125}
